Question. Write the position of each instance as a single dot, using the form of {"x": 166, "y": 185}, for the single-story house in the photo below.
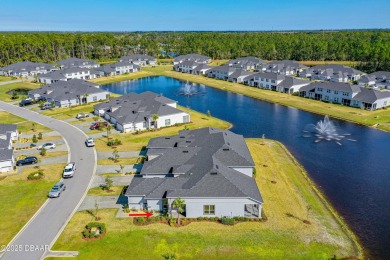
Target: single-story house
{"x": 248, "y": 63}
{"x": 118, "y": 68}
{"x": 27, "y": 68}
{"x": 134, "y": 112}
{"x": 68, "y": 74}
{"x": 77, "y": 63}
{"x": 210, "y": 169}
{"x": 70, "y": 93}
{"x": 285, "y": 67}
{"x": 192, "y": 57}
{"x": 8, "y": 133}
{"x": 347, "y": 95}
{"x": 139, "y": 59}
{"x": 379, "y": 79}
{"x": 331, "y": 72}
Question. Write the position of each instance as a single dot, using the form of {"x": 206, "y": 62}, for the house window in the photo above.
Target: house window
{"x": 208, "y": 209}
{"x": 273, "y": 81}
{"x": 167, "y": 122}
{"x": 336, "y": 92}
{"x": 144, "y": 124}
{"x": 328, "y": 91}
{"x": 319, "y": 89}
{"x": 345, "y": 94}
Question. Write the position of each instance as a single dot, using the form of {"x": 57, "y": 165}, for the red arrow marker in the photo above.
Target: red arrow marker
{"x": 147, "y": 214}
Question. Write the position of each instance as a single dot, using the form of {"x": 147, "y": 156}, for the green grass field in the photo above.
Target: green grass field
{"x": 368, "y": 118}
{"x": 4, "y": 89}
{"x": 132, "y": 142}
{"x": 4, "y": 78}
{"x": 124, "y": 161}
{"x": 26, "y": 127}
{"x": 20, "y": 198}
{"x": 98, "y": 191}
{"x": 280, "y": 237}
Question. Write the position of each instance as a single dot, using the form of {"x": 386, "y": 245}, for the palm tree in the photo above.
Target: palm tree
{"x": 155, "y": 118}
{"x": 179, "y": 204}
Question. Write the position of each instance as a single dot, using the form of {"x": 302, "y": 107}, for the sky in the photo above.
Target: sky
{"x": 189, "y": 15}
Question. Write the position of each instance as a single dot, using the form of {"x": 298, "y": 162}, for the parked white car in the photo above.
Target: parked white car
{"x": 47, "y": 146}
{"x": 90, "y": 142}
{"x": 69, "y": 170}
{"x": 82, "y": 115}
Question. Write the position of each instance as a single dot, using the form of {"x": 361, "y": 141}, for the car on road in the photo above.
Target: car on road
{"x": 27, "y": 160}
{"x": 82, "y": 115}
{"x": 46, "y": 106}
{"x": 55, "y": 192}
{"x": 90, "y": 142}
{"x": 96, "y": 125}
{"x": 26, "y": 102}
{"x": 47, "y": 146}
{"x": 69, "y": 170}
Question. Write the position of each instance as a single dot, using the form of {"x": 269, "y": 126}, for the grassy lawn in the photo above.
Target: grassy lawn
{"x": 217, "y": 62}
{"x": 8, "y": 118}
{"x": 135, "y": 75}
{"x": 132, "y": 142}
{"x": 67, "y": 113}
{"x": 23, "y": 125}
{"x": 20, "y": 199}
{"x": 4, "y": 89}
{"x": 120, "y": 161}
{"x": 369, "y": 118}
{"x": 4, "y": 78}
{"x": 115, "y": 191}
{"x": 315, "y": 63}
{"x": 280, "y": 237}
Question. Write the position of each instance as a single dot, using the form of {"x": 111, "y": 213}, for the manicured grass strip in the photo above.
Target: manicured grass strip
{"x": 134, "y": 75}
{"x": 29, "y": 127}
{"x": 133, "y": 142}
{"x": 280, "y": 237}
{"x": 123, "y": 161}
{"x": 4, "y": 78}
{"x": 98, "y": 191}
{"x": 8, "y": 118}
{"x": 20, "y": 198}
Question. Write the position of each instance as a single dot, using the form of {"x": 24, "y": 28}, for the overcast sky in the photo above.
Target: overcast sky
{"x": 200, "y": 15}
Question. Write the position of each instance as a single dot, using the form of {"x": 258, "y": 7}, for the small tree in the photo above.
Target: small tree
{"x": 33, "y": 126}
{"x": 208, "y": 113}
{"x": 108, "y": 128}
{"x": 15, "y": 95}
{"x": 34, "y": 139}
{"x": 179, "y": 204}
{"x": 155, "y": 117}
{"x": 122, "y": 167}
{"x": 43, "y": 151}
{"x": 108, "y": 183}
{"x": 40, "y": 135}
{"x": 115, "y": 155}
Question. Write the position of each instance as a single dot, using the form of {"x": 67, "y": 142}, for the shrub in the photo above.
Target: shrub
{"x": 43, "y": 151}
{"x": 114, "y": 142}
{"x": 40, "y": 135}
{"x": 87, "y": 230}
{"x": 183, "y": 221}
{"x": 295, "y": 94}
{"x": 36, "y": 175}
{"x": 140, "y": 220}
{"x": 34, "y": 139}
{"x": 172, "y": 222}
{"x": 227, "y": 221}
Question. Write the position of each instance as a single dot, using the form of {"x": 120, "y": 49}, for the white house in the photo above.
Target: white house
{"x": 77, "y": 63}
{"x": 285, "y": 67}
{"x": 118, "y": 68}
{"x": 68, "y": 74}
{"x": 70, "y": 93}
{"x": 200, "y": 59}
{"x": 210, "y": 169}
{"x": 379, "y": 80}
{"x": 248, "y": 63}
{"x": 139, "y": 59}
{"x": 136, "y": 112}
{"x": 331, "y": 72}
{"x": 8, "y": 133}
{"x": 276, "y": 82}
{"x": 221, "y": 72}
{"x": 27, "y": 68}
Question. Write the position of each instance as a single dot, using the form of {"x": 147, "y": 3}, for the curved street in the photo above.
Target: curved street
{"x": 33, "y": 241}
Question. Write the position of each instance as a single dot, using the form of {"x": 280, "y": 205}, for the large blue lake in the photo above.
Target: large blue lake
{"x": 355, "y": 176}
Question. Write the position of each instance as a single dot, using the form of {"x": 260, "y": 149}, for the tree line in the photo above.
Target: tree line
{"x": 371, "y": 49}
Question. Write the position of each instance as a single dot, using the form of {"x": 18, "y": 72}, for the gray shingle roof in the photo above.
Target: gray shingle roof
{"x": 5, "y": 139}
{"x": 65, "y": 90}
{"x": 6, "y": 154}
{"x": 338, "y": 86}
{"x": 289, "y": 82}
{"x": 371, "y": 95}
{"x": 76, "y": 62}
{"x": 192, "y": 57}
{"x": 244, "y": 62}
{"x": 137, "y": 57}
{"x": 285, "y": 65}
{"x": 240, "y": 73}
{"x": 28, "y": 66}
{"x": 60, "y": 74}
{"x": 203, "y": 158}
{"x": 333, "y": 69}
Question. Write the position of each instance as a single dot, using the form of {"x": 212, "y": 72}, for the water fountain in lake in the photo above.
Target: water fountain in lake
{"x": 189, "y": 90}
{"x": 325, "y": 130}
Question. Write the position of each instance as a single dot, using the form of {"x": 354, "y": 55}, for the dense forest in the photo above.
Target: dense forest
{"x": 370, "y": 48}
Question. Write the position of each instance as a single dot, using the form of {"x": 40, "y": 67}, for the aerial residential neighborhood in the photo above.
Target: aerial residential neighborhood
{"x": 194, "y": 130}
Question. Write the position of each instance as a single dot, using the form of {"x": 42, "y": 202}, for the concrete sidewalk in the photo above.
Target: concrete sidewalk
{"x": 104, "y": 202}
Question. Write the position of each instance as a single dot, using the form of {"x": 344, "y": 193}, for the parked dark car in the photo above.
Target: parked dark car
{"x": 96, "y": 125}
{"x": 27, "y": 160}
{"x": 26, "y": 102}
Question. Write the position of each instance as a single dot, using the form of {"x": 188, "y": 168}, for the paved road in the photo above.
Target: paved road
{"x": 42, "y": 230}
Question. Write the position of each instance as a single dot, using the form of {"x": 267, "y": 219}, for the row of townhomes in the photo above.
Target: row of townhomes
{"x": 8, "y": 134}
{"x": 287, "y": 76}
{"x": 70, "y": 93}
{"x": 209, "y": 168}
{"x": 137, "y": 112}
{"x": 74, "y": 68}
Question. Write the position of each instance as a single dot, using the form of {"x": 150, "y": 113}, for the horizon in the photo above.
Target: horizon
{"x": 172, "y": 16}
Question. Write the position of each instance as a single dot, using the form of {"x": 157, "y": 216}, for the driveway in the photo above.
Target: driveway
{"x": 44, "y": 228}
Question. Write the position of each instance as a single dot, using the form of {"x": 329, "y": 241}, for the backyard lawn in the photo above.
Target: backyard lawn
{"x": 135, "y": 142}
{"x": 20, "y": 198}
{"x": 98, "y": 191}
{"x": 283, "y": 236}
